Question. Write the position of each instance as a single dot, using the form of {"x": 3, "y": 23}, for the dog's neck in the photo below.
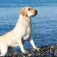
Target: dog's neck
{"x": 23, "y": 20}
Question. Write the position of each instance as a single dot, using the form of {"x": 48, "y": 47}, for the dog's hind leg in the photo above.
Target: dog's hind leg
{"x": 3, "y": 50}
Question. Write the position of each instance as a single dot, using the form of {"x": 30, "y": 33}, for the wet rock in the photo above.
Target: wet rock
{"x": 46, "y": 51}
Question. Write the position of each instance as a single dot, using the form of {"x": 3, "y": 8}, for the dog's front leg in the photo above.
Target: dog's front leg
{"x": 33, "y": 44}
{"x": 21, "y": 46}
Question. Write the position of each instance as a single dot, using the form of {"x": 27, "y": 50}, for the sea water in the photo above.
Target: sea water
{"x": 44, "y": 24}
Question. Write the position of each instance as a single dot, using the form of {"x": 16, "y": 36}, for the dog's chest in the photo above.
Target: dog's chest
{"x": 27, "y": 33}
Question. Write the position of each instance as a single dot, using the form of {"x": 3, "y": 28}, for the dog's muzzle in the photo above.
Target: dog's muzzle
{"x": 35, "y": 12}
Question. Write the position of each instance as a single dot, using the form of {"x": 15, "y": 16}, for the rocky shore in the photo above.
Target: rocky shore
{"x": 46, "y": 51}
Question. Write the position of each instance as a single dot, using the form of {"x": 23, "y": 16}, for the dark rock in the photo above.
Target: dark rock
{"x": 46, "y": 51}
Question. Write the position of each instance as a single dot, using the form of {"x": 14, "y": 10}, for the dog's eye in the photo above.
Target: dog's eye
{"x": 29, "y": 8}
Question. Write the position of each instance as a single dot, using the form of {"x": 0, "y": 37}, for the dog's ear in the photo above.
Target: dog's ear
{"x": 23, "y": 12}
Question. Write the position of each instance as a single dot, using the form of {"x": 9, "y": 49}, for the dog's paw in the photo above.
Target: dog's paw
{"x": 37, "y": 49}
{"x": 26, "y": 52}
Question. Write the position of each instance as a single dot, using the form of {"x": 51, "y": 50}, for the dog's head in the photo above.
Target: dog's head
{"x": 28, "y": 11}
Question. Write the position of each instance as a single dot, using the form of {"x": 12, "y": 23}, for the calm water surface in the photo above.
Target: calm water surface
{"x": 44, "y": 25}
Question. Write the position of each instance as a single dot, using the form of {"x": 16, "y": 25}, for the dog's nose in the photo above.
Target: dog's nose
{"x": 35, "y": 12}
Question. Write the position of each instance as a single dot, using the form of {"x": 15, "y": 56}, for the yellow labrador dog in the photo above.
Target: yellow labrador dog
{"x": 20, "y": 33}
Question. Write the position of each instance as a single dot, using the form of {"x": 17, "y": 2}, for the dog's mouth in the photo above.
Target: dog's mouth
{"x": 35, "y": 13}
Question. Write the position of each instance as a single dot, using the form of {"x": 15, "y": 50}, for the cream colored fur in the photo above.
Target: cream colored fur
{"x": 20, "y": 33}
